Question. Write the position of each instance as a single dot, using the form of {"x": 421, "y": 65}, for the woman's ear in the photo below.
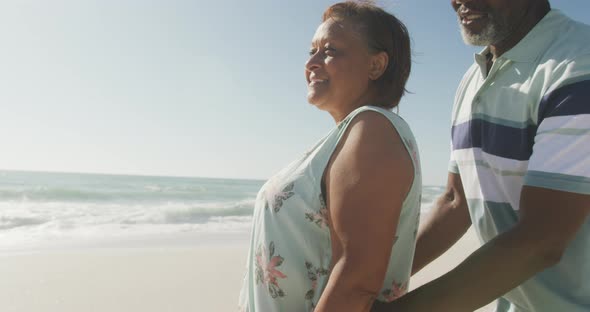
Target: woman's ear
{"x": 379, "y": 62}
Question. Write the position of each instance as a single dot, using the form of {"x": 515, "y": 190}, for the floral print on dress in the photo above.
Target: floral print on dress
{"x": 278, "y": 196}
{"x": 284, "y": 275}
{"x": 320, "y": 218}
{"x": 413, "y": 152}
{"x": 397, "y": 290}
{"x": 417, "y": 219}
{"x": 267, "y": 272}
{"x": 313, "y": 274}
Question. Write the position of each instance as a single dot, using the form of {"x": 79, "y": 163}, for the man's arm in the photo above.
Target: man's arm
{"x": 549, "y": 220}
{"x": 447, "y": 222}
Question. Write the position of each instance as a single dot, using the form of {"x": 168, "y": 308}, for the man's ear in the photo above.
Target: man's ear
{"x": 378, "y": 65}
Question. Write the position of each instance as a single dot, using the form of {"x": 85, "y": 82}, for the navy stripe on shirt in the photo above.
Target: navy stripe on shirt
{"x": 573, "y": 99}
{"x": 495, "y": 139}
{"x": 517, "y": 143}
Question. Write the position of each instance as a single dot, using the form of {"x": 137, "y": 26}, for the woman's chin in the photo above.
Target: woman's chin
{"x": 315, "y": 100}
{"x": 312, "y": 100}
{"x": 317, "y": 104}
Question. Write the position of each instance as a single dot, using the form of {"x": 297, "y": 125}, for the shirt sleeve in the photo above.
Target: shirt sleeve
{"x": 561, "y": 150}
{"x": 453, "y": 167}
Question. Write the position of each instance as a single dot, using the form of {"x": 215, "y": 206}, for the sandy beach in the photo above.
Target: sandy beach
{"x": 179, "y": 278}
{"x": 123, "y": 280}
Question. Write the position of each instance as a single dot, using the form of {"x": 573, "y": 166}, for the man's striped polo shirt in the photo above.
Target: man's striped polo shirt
{"x": 527, "y": 122}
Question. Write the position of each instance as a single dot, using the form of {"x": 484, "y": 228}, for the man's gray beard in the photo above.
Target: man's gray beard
{"x": 485, "y": 38}
{"x": 495, "y": 31}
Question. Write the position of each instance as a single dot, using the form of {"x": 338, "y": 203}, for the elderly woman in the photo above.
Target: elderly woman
{"x": 336, "y": 229}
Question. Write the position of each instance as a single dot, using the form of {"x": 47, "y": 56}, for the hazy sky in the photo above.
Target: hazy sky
{"x": 196, "y": 88}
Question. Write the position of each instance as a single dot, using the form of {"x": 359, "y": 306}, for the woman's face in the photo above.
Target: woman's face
{"x": 337, "y": 71}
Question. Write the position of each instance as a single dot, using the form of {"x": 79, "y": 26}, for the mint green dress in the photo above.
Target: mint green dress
{"x": 288, "y": 264}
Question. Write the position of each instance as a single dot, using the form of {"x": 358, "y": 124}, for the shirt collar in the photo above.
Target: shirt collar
{"x": 534, "y": 43}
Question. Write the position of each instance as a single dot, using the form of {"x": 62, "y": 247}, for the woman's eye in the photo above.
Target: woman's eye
{"x": 327, "y": 51}
{"x": 330, "y": 51}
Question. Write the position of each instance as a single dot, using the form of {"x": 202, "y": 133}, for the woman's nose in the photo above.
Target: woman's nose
{"x": 313, "y": 62}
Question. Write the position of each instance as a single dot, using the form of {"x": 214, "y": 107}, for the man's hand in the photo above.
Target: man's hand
{"x": 549, "y": 220}
{"x": 446, "y": 223}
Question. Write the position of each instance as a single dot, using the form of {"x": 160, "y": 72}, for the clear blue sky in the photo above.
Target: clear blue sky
{"x": 196, "y": 88}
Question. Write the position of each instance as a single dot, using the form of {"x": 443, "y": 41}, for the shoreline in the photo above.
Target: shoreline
{"x": 146, "y": 242}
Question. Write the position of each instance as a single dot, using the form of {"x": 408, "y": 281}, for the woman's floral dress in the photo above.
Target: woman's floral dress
{"x": 288, "y": 265}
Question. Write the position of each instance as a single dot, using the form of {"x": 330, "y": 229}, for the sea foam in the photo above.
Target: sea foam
{"x": 38, "y": 208}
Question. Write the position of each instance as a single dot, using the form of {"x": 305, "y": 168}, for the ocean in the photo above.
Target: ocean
{"x": 40, "y": 209}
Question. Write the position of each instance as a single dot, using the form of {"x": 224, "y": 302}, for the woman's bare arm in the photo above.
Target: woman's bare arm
{"x": 366, "y": 182}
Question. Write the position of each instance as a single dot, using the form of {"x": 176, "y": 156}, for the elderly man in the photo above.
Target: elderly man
{"x": 520, "y": 167}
